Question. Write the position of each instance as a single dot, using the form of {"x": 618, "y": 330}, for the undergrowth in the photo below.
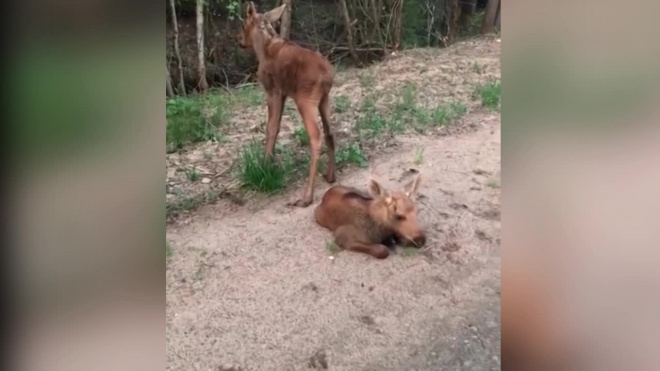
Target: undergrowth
{"x": 268, "y": 175}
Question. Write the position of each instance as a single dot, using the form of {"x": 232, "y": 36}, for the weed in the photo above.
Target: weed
{"x": 260, "y": 173}
{"x": 332, "y": 248}
{"x": 367, "y": 79}
{"x": 372, "y": 123}
{"x": 409, "y": 251}
{"x": 476, "y": 67}
{"x": 190, "y": 203}
{"x": 458, "y": 109}
{"x": 208, "y": 154}
{"x": 192, "y": 119}
{"x": 300, "y": 133}
{"x": 493, "y": 184}
{"x": 419, "y": 157}
{"x": 250, "y": 95}
{"x": 168, "y": 249}
{"x": 490, "y": 94}
{"x": 192, "y": 174}
{"x": 352, "y": 154}
{"x": 342, "y": 104}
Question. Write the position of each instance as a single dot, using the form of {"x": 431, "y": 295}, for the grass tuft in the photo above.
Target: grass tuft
{"x": 490, "y": 94}
{"x": 261, "y": 174}
{"x": 409, "y": 251}
{"x": 332, "y": 248}
{"x": 352, "y": 154}
{"x": 419, "y": 157}
{"x": 300, "y": 133}
{"x": 192, "y": 174}
{"x": 342, "y": 104}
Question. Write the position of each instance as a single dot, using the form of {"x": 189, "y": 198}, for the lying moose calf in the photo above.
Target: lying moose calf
{"x": 366, "y": 223}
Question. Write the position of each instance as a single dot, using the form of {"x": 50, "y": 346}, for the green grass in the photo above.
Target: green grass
{"x": 490, "y": 94}
{"x": 197, "y": 118}
{"x": 367, "y": 79}
{"x": 193, "y": 119}
{"x": 409, "y": 251}
{"x": 300, "y": 133}
{"x": 192, "y": 174}
{"x": 419, "y": 157}
{"x": 190, "y": 203}
{"x": 441, "y": 115}
{"x": 476, "y": 67}
{"x": 168, "y": 249}
{"x": 342, "y": 104}
{"x": 351, "y": 155}
{"x": 261, "y": 174}
{"x": 494, "y": 184}
{"x": 332, "y": 248}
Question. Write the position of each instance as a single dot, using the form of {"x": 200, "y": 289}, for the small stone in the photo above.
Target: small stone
{"x": 331, "y": 257}
{"x": 206, "y": 180}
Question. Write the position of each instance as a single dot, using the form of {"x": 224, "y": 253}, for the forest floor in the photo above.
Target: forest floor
{"x": 254, "y": 285}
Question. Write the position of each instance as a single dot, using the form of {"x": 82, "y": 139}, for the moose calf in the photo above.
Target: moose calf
{"x": 289, "y": 70}
{"x": 367, "y": 222}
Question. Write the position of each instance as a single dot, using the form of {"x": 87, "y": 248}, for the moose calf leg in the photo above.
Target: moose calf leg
{"x": 348, "y": 237}
{"x": 275, "y": 108}
{"x": 309, "y": 114}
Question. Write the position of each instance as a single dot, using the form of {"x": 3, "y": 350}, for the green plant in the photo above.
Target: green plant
{"x": 168, "y": 249}
{"x": 409, "y": 251}
{"x": 490, "y": 94}
{"x": 458, "y": 109}
{"x": 300, "y": 133}
{"x": 260, "y": 173}
{"x": 342, "y": 104}
{"x": 351, "y": 154}
{"x": 367, "y": 79}
{"x": 192, "y": 174}
{"x": 419, "y": 156}
{"x": 192, "y": 119}
{"x": 494, "y": 184}
{"x": 332, "y": 248}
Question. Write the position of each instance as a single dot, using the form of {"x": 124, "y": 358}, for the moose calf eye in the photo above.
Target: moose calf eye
{"x": 400, "y": 217}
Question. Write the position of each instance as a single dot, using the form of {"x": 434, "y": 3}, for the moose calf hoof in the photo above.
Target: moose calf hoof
{"x": 381, "y": 252}
{"x": 330, "y": 178}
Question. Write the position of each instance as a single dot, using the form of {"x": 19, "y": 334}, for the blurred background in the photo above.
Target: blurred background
{"x": 581, "y": 172}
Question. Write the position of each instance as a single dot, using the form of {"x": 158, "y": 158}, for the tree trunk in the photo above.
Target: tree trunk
{"x": 170, "y": 91}
{"x": 499, "y": 16}
{"x": 398, "y": 14}
{"x": 349, "y": 32}
{"x": 201, "y": 64}
{"x": 177, "y": 50}
{"x": 489, "y": 18}
{"x": 468, "y": 8}
{"x": 285, "y": 23}
{"x": 453, "y": 13}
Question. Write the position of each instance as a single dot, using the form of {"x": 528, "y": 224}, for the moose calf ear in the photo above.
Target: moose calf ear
{"x": 251, "y": 10}
{"x": 274, "y": 15}
{"x": 411, "y": 187}
{"x": 375, "y": 189}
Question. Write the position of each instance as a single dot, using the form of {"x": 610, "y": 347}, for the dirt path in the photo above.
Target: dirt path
{"x": 253, "y": 288}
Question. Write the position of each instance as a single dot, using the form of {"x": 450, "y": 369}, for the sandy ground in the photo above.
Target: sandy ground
{"x": 253, "y": 287}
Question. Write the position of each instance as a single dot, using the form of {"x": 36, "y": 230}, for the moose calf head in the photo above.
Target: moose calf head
{"x": 396, "y": 210}
{"x": 257, "y": 27}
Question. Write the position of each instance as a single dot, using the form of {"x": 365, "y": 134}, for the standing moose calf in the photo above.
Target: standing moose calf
{"x": 368, "y": 222}
{"x": 288, "y": 70}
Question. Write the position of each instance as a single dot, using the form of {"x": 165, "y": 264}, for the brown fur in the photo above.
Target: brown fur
{"x": 363, "y": 222}
{"x": 288, "y": 70}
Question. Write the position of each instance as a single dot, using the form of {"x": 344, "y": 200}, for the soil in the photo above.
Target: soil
{"x": 256, "y": 287}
